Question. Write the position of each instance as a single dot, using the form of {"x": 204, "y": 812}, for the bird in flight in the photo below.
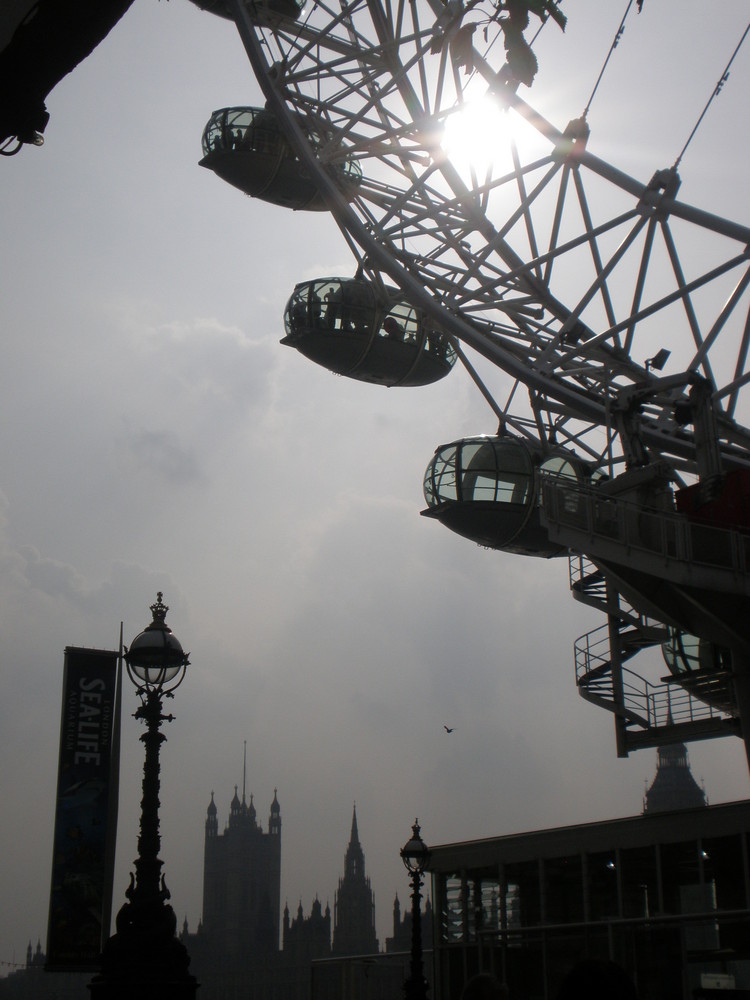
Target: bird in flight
{"x": 447, "y": 729}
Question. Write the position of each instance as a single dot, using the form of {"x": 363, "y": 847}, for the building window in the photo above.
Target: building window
{"x": 724, "y": 865}
{"x": 681, "y": 875}
{"x": 452, "y": 913}
{"x": 522, "y": 895}
{"x": 563, "y": 890}
{"x": 601, "y": 885}
{"x": 639, "y": 878}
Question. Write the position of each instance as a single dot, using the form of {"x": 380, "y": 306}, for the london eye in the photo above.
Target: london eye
{"x": 619, "y": 311}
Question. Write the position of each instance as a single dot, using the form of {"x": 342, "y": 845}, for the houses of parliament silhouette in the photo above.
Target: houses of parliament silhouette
{"x": 243, "y": 944}
{"x": 242, "y": 887}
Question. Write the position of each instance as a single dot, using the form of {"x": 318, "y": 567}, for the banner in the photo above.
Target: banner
{"x": 81, "y": 891}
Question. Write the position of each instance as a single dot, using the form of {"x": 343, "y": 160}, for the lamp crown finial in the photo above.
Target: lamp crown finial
{"x": 159, "y": 609}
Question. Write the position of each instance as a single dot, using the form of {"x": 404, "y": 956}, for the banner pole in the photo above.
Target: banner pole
{"x": 114, "y": 801}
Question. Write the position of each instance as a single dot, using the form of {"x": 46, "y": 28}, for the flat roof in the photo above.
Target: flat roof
{"x": 632, "y": 831}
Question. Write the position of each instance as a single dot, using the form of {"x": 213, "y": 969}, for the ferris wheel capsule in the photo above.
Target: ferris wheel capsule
{"x": 246, "y": 148}
{"x": 261, "y": 11}
{"x": 488, "y": 489}
{"x": 347, "y": 326}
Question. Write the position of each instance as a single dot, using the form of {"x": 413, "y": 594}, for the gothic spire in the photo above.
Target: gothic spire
{"x": 354, "y": 861}
{"x": 354, "y": 906}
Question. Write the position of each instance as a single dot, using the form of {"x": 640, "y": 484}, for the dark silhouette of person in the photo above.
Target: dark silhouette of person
{"x": 315, "y": 308}
{"x": 597, "y": 979}
{"x": 299, "y": 316}
{"x": 334, "y": 298}
{"x": 393, "y": 329}
{"x": 483, "y": 986}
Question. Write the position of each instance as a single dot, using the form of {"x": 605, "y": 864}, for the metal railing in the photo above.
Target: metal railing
{"x": 589, "y": 584}
{"x": 581, "y": 568}
{"x": 653, "y": 704}
{"x": 668, "y": 536}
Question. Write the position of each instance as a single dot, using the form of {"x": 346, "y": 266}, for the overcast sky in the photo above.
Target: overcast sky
{"x": 157, "y": 437}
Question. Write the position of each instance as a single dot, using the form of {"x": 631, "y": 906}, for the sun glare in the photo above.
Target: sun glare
{"x": 478, "y": 135}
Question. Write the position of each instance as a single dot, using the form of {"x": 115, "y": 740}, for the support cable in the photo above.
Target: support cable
{"x": 615, "y": 42}
{"x": 716, "y": 91}
{"x": 474, "y": 374}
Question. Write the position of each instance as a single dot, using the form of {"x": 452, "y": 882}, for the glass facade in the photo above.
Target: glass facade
{"x": 667, "y": 898}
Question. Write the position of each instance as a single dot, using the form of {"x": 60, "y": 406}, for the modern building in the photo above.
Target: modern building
{"x": 666, "y": 895}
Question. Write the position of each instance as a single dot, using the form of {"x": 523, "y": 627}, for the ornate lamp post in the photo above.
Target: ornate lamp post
{"x": 415, "y": 855}
{"x": 144, "y": 960}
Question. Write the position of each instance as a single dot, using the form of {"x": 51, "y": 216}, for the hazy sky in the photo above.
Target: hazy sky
{"x": 157, "y": 437}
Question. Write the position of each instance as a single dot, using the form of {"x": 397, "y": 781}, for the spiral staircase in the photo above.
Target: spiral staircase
{"x": 650, "y": 572}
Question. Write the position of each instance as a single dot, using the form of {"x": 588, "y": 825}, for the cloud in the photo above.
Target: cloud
{"x": 208, "y": 358}
{"x": 163, "y": 455}
{"x": 51, "y": 577}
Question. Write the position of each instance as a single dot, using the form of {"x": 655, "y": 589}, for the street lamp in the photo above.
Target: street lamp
{"x": 144, "y": 958}
{"x": 415, "y": 855}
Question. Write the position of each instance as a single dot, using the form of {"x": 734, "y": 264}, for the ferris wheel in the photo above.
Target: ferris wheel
{"x": 618, "y": 313}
